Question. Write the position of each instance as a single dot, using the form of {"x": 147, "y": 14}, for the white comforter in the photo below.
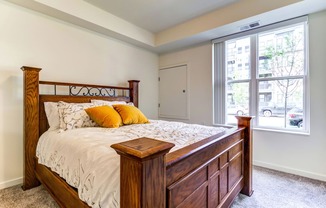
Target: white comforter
{"x": 84, "y": 158}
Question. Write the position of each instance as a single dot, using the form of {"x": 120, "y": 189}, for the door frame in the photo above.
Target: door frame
{"x": 187, "y": 117}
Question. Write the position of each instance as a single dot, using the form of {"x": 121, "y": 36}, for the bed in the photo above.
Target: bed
{"x": 207, "y": 173}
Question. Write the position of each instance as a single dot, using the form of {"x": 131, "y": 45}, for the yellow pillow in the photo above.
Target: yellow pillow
{"x": 105, "y": 116}
{"x": 130, "y": 114}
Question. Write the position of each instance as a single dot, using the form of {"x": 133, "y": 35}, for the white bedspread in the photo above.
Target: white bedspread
{"x": 84, "y": 158}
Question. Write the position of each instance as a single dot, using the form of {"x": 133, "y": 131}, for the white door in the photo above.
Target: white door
{"x": 173, "y": 93}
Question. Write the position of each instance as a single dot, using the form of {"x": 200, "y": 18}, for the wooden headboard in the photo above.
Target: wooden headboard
{"x": 35, "y": 120}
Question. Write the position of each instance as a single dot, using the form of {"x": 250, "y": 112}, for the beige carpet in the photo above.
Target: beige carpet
{"x": 272, "y": 189}
{"x": 35, "y": 198}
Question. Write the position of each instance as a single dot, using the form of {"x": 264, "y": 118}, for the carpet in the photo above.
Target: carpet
{"x": 272, "y": 189}
{"x": 15, "y": 197}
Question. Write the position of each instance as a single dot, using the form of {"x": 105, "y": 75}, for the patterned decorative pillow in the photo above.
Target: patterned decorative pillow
{"x": 73, "y": 115}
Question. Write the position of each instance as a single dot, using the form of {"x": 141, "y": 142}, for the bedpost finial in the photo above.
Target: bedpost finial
{"x": 29, "y": 68}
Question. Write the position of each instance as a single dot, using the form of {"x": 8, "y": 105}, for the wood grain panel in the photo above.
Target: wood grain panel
{"x": 133, "y": 86}
{"x": 223, "y": 160}
{"x": 131, "y": 183}
{"x": 224, "y": 176}
{"x": 224, "y": 182}
{"x": 64, "y": 195}
{"x": 154, "y": 191}
{"x": 229, "y": 198}
{"x": 182, "y": 189}
{"x": 142, "y": 172}
{"x": 213, "y": 191}
{"x": 213, "y": 167}
{"x": 235, "y": 150}
{"x": 31, "y": 125}
{"x": 235, "y": 170}
{"x": 197, "y": 199}
{"x": 177, "y": 170}
{"x": 245, "y": 121}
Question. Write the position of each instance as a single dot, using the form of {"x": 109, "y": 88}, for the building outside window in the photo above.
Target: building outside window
{"x": 272, "y": 85}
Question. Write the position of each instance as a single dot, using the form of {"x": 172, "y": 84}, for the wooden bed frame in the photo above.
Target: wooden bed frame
{"x": 209, "y": 173}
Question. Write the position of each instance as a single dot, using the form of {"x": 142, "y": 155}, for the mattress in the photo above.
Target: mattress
{"x": 84, "y": 158}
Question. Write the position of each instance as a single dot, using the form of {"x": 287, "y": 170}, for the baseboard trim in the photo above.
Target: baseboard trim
{"x": 291, "y": 170}
{"x": 10, "y": 183}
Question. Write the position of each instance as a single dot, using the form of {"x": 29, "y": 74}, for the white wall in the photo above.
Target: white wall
{"x": 304, "y": 155}
{"x": 298, "y": 154}
{"x": 66, "y": 53}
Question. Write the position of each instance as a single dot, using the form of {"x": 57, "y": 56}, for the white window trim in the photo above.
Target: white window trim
{"x": 219, "y": 85}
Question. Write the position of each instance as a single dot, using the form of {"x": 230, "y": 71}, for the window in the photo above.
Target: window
{"x": 247, "y": 49}
{"x": 273, "y": 85}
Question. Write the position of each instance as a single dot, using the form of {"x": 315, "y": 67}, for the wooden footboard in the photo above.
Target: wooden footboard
{"x": 209, "y": 173}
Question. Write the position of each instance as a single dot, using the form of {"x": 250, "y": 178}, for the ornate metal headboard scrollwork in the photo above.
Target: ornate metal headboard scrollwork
{"x": 86, "y": 90}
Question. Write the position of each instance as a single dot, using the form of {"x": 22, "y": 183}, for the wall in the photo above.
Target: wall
{"x": 199, "y": 69}
{"x": 303, "y": 155}
{"x": 66, "y": 53}
{"x": 293, "y": 153}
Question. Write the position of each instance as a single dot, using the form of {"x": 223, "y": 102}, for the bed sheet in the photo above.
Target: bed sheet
{"x": 84, "y": 158}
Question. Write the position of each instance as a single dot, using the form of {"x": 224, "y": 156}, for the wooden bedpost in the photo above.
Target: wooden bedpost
{"x": 31, "y": 124}
{"x": 133, "y": 86}
{"x": 142, "y": 172}
{"x": 245, "y": 121}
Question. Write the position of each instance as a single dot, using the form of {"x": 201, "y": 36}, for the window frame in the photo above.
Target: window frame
{"x": 220, "y": 83}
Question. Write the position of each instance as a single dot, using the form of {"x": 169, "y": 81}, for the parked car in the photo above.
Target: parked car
{"x": 237, "y": 110}
{"x": 273, "y": 109}
{"x": 295, "y": 117}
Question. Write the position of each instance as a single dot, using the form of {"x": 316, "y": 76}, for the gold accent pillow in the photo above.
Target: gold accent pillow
{"x": 130, "y": 114}
{"x": 105, "y": 116}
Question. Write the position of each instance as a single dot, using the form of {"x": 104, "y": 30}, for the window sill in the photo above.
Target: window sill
{"x": 303, "y": 133}
{"x": 283, "y": 131}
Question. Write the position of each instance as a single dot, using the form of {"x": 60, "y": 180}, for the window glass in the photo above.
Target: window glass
{"x": 281, "y": 52}
{"x": 274, "y": 87}
{"x": 238, "y": 100}
{"x": 277, "y": 99}
{"x": 236, "y": 62}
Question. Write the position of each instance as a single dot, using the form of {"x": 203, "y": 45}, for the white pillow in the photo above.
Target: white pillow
{"x": 109, "y": 103}
{"x": 131, "y": 103}
{"x": 73, "y": 115}
{"x": 52, "y": 114}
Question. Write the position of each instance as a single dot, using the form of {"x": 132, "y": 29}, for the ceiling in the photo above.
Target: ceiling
{"x": 158, "y": 15}
{"x": 162, "y": 26}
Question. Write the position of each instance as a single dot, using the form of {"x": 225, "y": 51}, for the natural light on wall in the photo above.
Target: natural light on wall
{"x": 263, "y": 73}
